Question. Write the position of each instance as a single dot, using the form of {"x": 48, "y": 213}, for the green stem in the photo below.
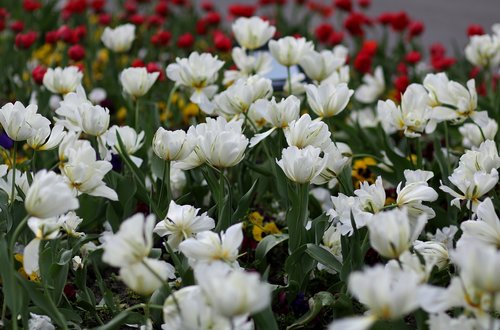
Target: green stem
{"x": 169, "y": 101}
{"x": 304, "y": 202}
{"x": 220, "y": 201}
{"x": 137, "y": 126}
{"x": 447, "y": 143}
{"x": 13, "y": 163}
{"x": 33, "y": 162}
{"x": 162, "y": 181}
{"x": 289, "y": 74}
{"x": 420, "y": 160}
{"x": 167, "y": 183}
{"x": 408, "y": 153}
{"x": 492, "y": 311}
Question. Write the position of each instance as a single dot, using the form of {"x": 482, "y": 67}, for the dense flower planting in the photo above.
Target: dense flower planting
{"x": 282, "y": 166}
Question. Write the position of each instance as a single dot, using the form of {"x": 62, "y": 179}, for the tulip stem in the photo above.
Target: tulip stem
{"x": 137, "y": 128}
{"x": 13, "y": 164}
{"x": 166, "y": 182}
{"x": 408, "y": 152}
{"x": 419, "y": 153}
{"x": 289, "y": 74}
{"x": 447, "y": 143}
{"x": 492, "y": 311}
{"x": 169, "y": 100}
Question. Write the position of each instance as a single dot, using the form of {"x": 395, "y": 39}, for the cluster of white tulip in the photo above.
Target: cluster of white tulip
{"x": 247, "y": 113}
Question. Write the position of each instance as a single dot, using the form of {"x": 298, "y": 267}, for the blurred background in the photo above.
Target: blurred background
{"x": 445, "y": 21}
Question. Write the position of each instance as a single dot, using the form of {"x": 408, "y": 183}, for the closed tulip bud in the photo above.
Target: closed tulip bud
{"x": 302, "y": 165}
{"x": 95, "y": 120}
{"x": 172, "y": 145}
{"x": 120, "y": 38}
{"x": 137, "y": 82}
{"x": 289, "y": 51}
{"x": 252, "y": 33}
{"x": 49, "y": 196}
{"x": 21, "y": 123}
{"x": 62, "y": 80}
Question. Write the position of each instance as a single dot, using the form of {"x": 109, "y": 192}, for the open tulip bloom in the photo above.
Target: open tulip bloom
{"x": 161, "y": 168}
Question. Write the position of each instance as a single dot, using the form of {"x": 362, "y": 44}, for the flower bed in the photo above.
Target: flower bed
{"x": 311, "y": 167}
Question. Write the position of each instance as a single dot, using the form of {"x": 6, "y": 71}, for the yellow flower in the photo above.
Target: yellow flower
{"x": 121, "y": 115}
{"x": 361, "y": 171}
{"x": 258, "y": 228}
{"x": 189, "y": 111}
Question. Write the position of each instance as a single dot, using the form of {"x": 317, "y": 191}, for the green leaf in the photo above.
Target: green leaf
{"x": 267, "y": 243}
{"x": 265, "y": 320}
{"x": 324, "y": 257}
{"x": 298, "y": 266}
{"x": 10, "y": 286}
{"x": 316, "y": 304}
{"x": 123, "y": 317}
{"x": 244, "y": 203}
{"x": 65, "y": 257}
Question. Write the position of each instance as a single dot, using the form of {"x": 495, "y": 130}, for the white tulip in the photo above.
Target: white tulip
{"x": 131, "y": 243}
{"x": 320, "y": 65}
{"x": 95, "y": 120}
{"x": 208, "y": 246}
{"x": 289, "y": 51}
{"x": 471, "y": 186}
{"x": 40, "y": 322}
{"x": 71, "y": 108}
{"x": 412, "y": 116}
{"x": 480, "y": 264}
{"x": 443, "y": 321}
{"x": 195, "y": 313}
{"x": 434, "y": 253}
{"x": 252, "y": 33}
{"x": 372, "y": 88}
{"x": 371, "y": 196}
{"x": 392, "y": 232}
{"x": 6, "y": 183}
{"x": 237, "y": 99}
{"x": 483, "y": 159}
{"x": 345, "y": 208}
{"x": 473, "y": 135}
{"x": 393, "y": 297}
{"x": 483, "y": 51}
{"x": 182, "y": 222}
{"x": 486, "y": 229}
{"x": 49, "y": 196}
{"x": 416, "y": 191}
{"x": 258, "y": 63}
{"x": 302, "y": 165}
{"x": 305, "y": 132}
{"x": 46, "y": 139}
{"x": 21, "y": 123}
{"x": 172, "y": 145}
{"x": 137, "y": 82}
{"x": 119, "y": 39}
{"x": 132, "y": 141}
{"x": 297, "y": 84}
{"x": 85, "y": 173}
{"x": 278, "y": 114}
{"x": 232, "y": 292}
{"x": 146, "y": 276}
{"x": 219, "y": 143}
{"x": 338, "y": 156}
{"x": 328, "y": 100}
{"x": 198, "y": 72}
{"x": 62, "y": 80}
